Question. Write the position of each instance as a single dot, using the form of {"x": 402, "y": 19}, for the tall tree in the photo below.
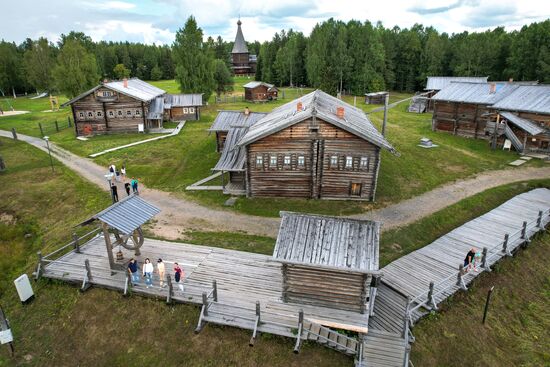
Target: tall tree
{"x": 194, "y": 62}
{"x": 222, "y": 77}
{"x": 120, "y": 71}
{"x": 76, "y": 69}
{"x": 39, "y": 64}
{"x": 11, "y": 71}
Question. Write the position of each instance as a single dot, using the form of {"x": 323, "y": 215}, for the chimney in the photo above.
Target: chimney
{"x": 125, "y": 82}
{"x": 246, "y": 111}
{"x": 511, "y": 80}
{"x": 340, "y": 112}
{"x": 492, "y": 88}
{"x": 299, "y": 107}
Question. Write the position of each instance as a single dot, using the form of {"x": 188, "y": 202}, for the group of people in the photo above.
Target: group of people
{"x": 472, "y": 260}
{"x": 120, "y": 176}
{"x": 147, "y": 273}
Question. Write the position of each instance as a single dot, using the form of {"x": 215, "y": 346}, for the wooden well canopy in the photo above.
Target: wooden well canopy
{"x": 327, "y": 261}
{"x": 124, "y": 219}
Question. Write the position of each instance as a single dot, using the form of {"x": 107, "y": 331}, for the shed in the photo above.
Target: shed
{"x": 436, "y": 83}
{"x": 124, "y": 220}
{"x": 328, "y": 261}
{"x": 183, "y": 106}
{"x": 376, "y": 97}
{"x": 226, "y": 119}
{"x": 260, "y": 91}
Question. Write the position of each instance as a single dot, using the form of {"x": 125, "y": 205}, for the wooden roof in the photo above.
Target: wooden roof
{"x": 239, "y": 47}
{"x": 227, "y": 119}
{"x": 526, "y": 125}
{"x": 527, "y": 98}
{"x": 328, "y": 242}
{"x": 232, "y": 157}
{"x": 476, "y": 93}
{"x": 440, "y": 82}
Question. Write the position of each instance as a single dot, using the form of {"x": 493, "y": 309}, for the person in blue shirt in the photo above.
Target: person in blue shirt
{"x": 133, "y": 270}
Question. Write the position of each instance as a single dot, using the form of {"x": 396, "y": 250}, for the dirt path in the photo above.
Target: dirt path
{"x": 179, "y": 214}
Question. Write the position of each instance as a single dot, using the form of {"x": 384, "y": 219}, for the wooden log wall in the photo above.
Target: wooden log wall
{"x": 185, "y": 113}
{"x": 317, "y": 177}
{"x": 220, "y": 140}
{"x": 123, "y": 114}
{"x": 325, "y": 288}
{"x": 256, "y": 94}
{"x": 462, "y": 119}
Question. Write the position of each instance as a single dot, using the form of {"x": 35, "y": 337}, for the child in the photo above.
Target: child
{"x": 178, "y": 275}
{"x": 477, "y": 260}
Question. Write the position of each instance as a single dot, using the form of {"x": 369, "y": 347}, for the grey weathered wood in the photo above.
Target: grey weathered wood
{"x": 87, "y": 283}
{"x": 41, "y": 129}
{"x": 524, "y": 231}
{"x": 484, "y": 263}
{"x": 205, "y": 303}
{"x": 14, "y": 133}
{"x": 56, "y": 126}
{"x": 40, "y": 266}
{"x": 170, "y": 289}
{"x": 215, "y": 290}
{"x": 256, "y": 325}
{"x": 299, "y": 334}
{"x": 460, "y": 277}
{"x": 539, "y": 220}
{"x": 76, "y": 243}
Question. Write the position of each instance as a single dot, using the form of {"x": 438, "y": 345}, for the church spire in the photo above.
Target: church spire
{"x": 239, "y": 47}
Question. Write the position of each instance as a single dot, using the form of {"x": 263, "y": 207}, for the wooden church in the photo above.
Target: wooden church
{"x": 242, "y": 62}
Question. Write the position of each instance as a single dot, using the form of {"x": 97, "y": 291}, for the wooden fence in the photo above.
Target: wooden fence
{"x": 52, "y": 127}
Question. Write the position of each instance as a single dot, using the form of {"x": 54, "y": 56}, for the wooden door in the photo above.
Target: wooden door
{"x": 355, "y": 189}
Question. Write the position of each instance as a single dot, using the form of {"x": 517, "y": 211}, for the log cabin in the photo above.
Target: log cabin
{"x": 316, "y": 146}
{"x": 376, "y": 97}
{"x": 436, "y": 83}
{"x": 328, "y": 261}
{"x": 129, "y": 105}
{"x": 260, "y": 92}
{"x": 227, "y": 120}
{"x": 461, "y": 107}
{"x": 523, "y": 117}
{"x": 242, "y": 62}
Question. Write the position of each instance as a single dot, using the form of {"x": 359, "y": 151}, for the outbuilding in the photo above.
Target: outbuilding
{"x": 260, "y": 92}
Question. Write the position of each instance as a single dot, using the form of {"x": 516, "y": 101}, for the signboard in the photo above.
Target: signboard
{"x": 6, "y": 336}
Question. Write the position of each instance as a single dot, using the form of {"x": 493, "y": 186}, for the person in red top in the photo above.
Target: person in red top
{"x": 178, "y": 275}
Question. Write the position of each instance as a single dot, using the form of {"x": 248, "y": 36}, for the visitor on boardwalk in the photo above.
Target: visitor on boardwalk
{"x": 114, "y": 192}
{"x": 161, "y": 269}
{"x": 123, "y": 172}
{"x": 178, "y": 275}
{"x": 127, "y": 188}
{"x": 477, "y": 260}
{"x": 133, "y": 270}
{"x": 134, "y": 184}
{"x": 148, "y": 272}
{"x": 469, "y": 259}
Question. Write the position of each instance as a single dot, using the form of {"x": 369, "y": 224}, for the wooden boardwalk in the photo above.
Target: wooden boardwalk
{"x": 244, "y": 278}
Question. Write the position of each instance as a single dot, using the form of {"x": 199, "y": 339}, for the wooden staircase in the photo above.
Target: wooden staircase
{"x": 330, "y": 338}
{"x": 514, "y": 139}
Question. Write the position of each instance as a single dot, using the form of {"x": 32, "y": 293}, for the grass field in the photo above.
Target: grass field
{"x": 100, "y": 327}
{"x": 174, "y": 163}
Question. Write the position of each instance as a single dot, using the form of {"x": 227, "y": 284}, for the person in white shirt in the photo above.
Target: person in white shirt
{"x": 161, "y": 269}
{"x": 148, "y": 272}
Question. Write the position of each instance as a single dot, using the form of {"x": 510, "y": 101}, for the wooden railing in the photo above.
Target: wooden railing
{"x": 427, "y": 298}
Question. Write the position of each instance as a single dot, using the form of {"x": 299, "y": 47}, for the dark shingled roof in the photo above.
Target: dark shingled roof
{"x": 335, "y": 242}
{"x": 239, "y": 47}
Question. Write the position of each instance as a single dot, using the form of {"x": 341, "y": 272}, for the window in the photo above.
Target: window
{"x": 185, "y": 110}
{"x": 106, "y": 93}
{"x": 191, "y": 109}
{"x": 99, "y": 113}
{"x": 119, "y": 113}
{"x": 81, "y": 115}
{"x": 90, "y": 114}
{"x": 259, "y": 160}
{"x": 287, "y": 159}
{"x": 128, "y": 112}
{"x": 273, "y": 161}
{"x": 301, "y": 161}
{"x": 349, "y": 162}
{"x": 364, "y": 162}
{"x": 111, "y": 113}
{"x": 334, "y": 161}
{"x": 355, "y": 189}
{"x": 138, "y": 113}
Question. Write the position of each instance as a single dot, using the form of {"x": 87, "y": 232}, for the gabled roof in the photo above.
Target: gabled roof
{"x": 126, "y": 215}
{"x": 375, "y": 94}
{"x": 527, "y": 98}
{"x": 526, "y": 125}
{"x": 137, "y": 89}
{"x": 333, "y": 242}
{"x": 440, "y": 82}
{"x": 233, "y": 156}
{"x": 227, "y": 119}
{"x": 239, "y": 47}
{"x": 478, "y": 93}
{"x": 324, "y": 106}
{"x": 182, "y": 100}
{"x": 255, "y": 84}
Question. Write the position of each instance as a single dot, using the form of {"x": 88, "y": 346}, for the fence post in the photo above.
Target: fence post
{"x": 539, "y": 220}
{"x": 484, "y": 260}
{"x": 39, "y": 269}
{"x": 431, "y": 299}
{"x": 205, "y": 303}
{"x": 86, "y": 283}
{"x": 460, "y": 279}
{"x": 127, "y": 284}
{"x": 256, "y": 325}
{"x": 76, "y": 243}
{"x": 215, "y": 290}
{"x": 14, "y": 133}
{"x": 406, "y": 319}
{"x": 505, "y": 245}
{"x": 300, "y": 327}
{"x": 170, "y": 289}
{"x": 41, "y": 130}
{"x": 56, "y": 126}
{"x": 69, "y": 121}
{"x": 2, "y": 164}
{"x": 524, "y": 234}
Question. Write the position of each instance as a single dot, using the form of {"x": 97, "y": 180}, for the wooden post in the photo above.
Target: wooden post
{"x": 386, "y": 100}
{"x": 487, "y": 304}
{"x": 170, "y": 289}
{"x": 431, "y": 299}
{"x": 56, "y": 126}
{"x": 495, "y": 132}
{"x": 14, "y": 133}
{"x": 484, "y": 260}
{"x": 524, "y": 236}
{"x": 86, "y": 283}
{"x": 257, "y": 323}
{"x": 505, "y": 245}
{"x": 127, "y": 284}
{"x": 375, "y": 282}
{"x": 76, "y": 243}
{"x": 406, "y": 318}
{"x": 460, "y": 279}
{"x": 41, "y": 129}
{"x": 39, "y": 268}
{"x": 539, "y": 218}
{"x": 284, "y": 268}
{"x": 205, "y": 303}
{"x": 300, "y": 327}
{"x": 2, "y": 164}
{"x": 215, "y": 290}
{"x": 69, "y": 121}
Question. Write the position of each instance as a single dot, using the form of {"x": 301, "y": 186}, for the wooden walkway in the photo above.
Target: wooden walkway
{"x": 243, "y": 279}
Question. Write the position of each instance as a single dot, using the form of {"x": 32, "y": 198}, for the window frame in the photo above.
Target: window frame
{"x": 364, "y": 163}
{"x": 287, "y": 160}
{"x": 99, "y": 114}
{"x": 259, "y": 160}
{"x": 301, "y": 161}
{"x": 90, "y": 114}
{"x": 333, "y": 161}
{"x": 185, "y": 110}
{"x": 111, "y": 114}
{"x": 349, "y": 162}
{"x": 272, "y": 160}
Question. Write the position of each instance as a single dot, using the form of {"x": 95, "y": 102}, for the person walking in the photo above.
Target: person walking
{"x": 123, "y": 172}
{"x": 134, "y": 184}
{"x": 469, "y": 259}
{"x": 178, "y": 275}
{"x": 127, "y": 188}
{"x": 148, "y": 272}
{"x": 133, "y": 270}
{"x": 114, "y": 192}
{"x": 161, "y": 269}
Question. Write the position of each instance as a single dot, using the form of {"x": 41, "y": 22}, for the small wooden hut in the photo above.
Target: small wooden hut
{"x": 260, "y": 92}
{"x": 376, "y": 97}
{"x": 436, "y": 83}
{"x": 328, "y": 261}
{"x": 179, "y": 107}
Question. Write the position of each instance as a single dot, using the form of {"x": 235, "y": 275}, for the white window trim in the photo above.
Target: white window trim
{"x": 191, "y": 109}
{"x": 273, "y": 161}
{"x": 259, "y": 160}
{"x": 334, "y": 161}
{"x": 364, "y": 163}
{"x": 349, "y": 161}
{"x": 301, "y": 161}
{"x": 287, "y": 160}
{"x": 185, "y": 110}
